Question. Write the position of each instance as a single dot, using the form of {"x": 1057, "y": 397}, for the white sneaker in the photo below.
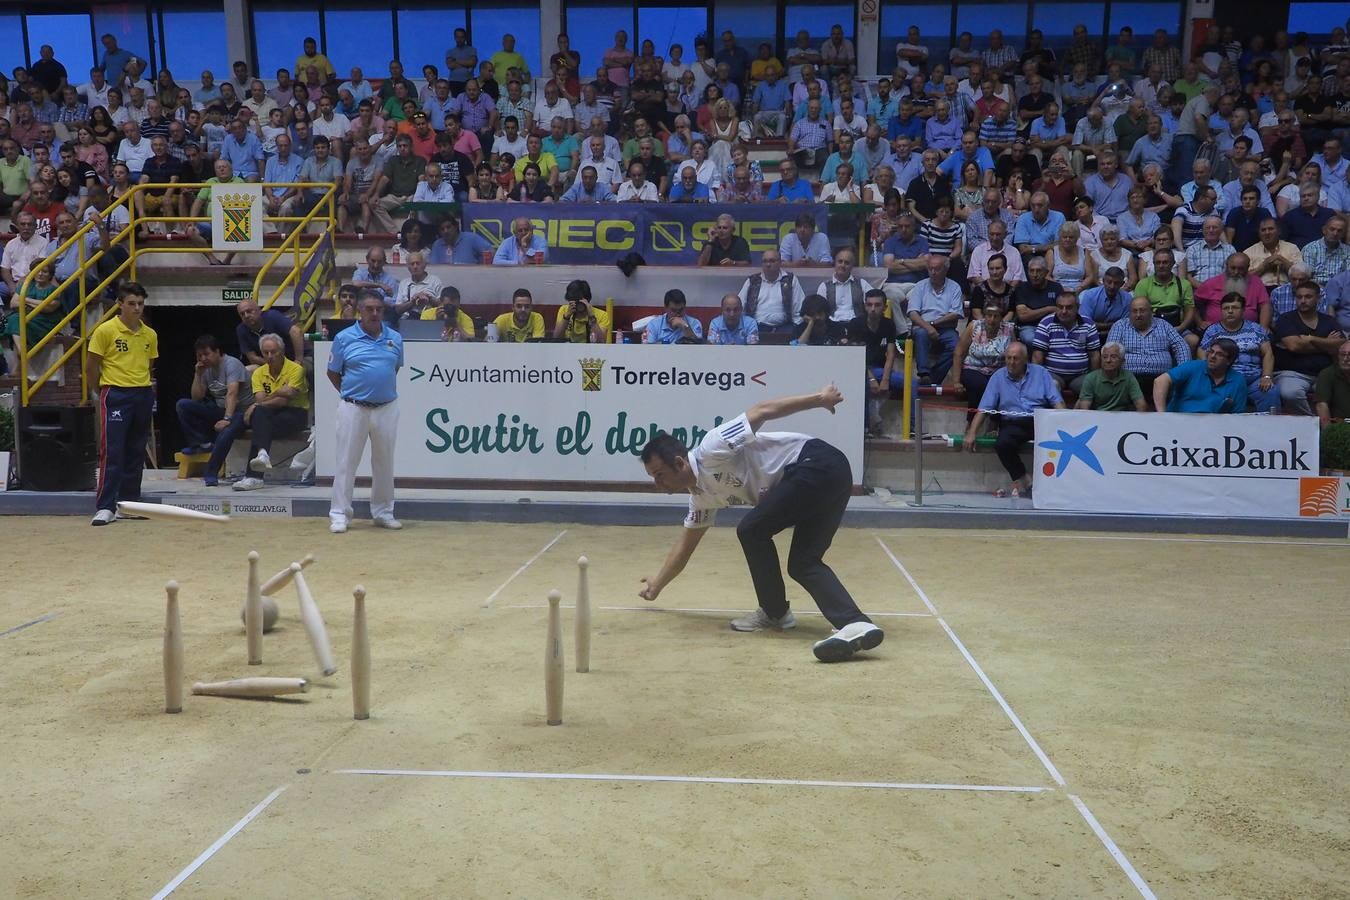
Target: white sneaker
{"x": 848, "y": 640}
{"x": 102, "y": 517}
{"x": 248, "y": 484}
{"x": 338, "y": 526}
{"x": 758, "y": 620}
{"x": 388, "y": 522}
{"x": 262, "y": 461}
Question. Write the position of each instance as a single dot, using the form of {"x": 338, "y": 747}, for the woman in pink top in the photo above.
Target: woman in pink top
{"x": 618, "y": 59}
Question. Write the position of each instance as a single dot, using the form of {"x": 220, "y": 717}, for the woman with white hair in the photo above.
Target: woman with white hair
{"x": 1111, "y": 253}
{"x": 1070, "y": 266}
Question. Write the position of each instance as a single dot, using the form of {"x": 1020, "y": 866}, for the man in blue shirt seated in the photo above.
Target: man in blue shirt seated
{"x": 1013, "y": 395}
{"x": 1208, "y": 385}
{"x": 673, "y": 326}
{"x": 688, "y": 189}
{"x": 733, "y": 326}
{"x": 454, "y": 247}
{"x": 789, "y": 188}
{"x": 906, "y": 123}
{"x": 588, "y": 188}
{"x": 768, "y": 104}
{"x": 970, "y": 151}
{"x": 523, "y": 247}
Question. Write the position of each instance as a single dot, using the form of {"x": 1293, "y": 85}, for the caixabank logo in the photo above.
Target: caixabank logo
{"x": 1067, "y": 448}
{"x": 1323, "y": 496}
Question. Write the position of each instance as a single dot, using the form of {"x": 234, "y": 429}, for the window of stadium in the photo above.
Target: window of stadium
{"x": 489, "y": 23}
{"x": 68, "y": 35}
{"x": 425, "y": 32}
{"x": 590, "y": 30}
{"x": 279, "y": 34}
{"x": 359, "y": 35}
{"x": 935, "y": 26}
{"x": 185, "y": 53}
{"x": 126, "y": 22}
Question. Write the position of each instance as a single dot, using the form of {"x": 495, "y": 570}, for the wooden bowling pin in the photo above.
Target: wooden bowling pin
{"x": 553, "y": 661}
{"x": 360, "y": 656}
{"x": 313, "y": 622}
{"x": 167, "y": 511}
{"x": 252, "y": 687}
{"x": 173, "y": 651}
{"x": 278, "y": 581}
{"x": 582, "y": 627}
{"x": 253, "y": 612}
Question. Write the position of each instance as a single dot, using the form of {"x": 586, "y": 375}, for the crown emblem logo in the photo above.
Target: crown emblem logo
{"x": 591, "y": 372}
{"x": 237, "y": 211}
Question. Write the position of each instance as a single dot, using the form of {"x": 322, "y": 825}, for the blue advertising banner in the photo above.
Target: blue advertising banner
{"x": 665, "y": 234}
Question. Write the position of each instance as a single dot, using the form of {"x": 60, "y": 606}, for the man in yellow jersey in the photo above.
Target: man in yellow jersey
{"x": 578, "y": 319}
{"x": 280, "y": 407}
{"x": 522, "y": 322}
{"x": 121, "y": 351}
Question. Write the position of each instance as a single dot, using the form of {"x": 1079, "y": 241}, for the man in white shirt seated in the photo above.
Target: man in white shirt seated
{"x": 792, "y": 481}
{"x": 773, "y": 297}
{"x": 637, "y": 187}
{"x": 844, "y": 290}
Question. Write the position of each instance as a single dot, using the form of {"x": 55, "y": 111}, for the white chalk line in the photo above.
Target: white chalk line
{"x": 38, "y": 621}
{"x": 1116, "y": 853}
{"x": 529, "y": 562}
{"x": 215, "y": 848}
{"x": 677, "y": 609}
{"x": 701, "y": 779}
{"x": 1285, "y": 542}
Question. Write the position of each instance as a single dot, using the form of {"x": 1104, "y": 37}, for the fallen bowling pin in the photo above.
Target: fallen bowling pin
{"x": 278, "y": 581}
{"x": 166, "y": 511}
{"x": 313, "y": 622}
{"x": 252, "y": 687}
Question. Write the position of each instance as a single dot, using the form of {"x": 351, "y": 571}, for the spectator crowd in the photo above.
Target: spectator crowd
{"x": 1135, "y": 225}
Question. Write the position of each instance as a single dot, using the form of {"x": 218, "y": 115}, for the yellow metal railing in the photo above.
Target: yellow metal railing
{"x": 324, "y": 211}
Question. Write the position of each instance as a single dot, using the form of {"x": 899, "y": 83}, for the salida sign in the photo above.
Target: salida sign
{"x": 1168, "y": 463}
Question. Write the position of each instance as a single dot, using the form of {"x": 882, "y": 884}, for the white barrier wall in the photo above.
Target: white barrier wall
{"x": 582, "y": 412}
{"x": 1179, "y": 464}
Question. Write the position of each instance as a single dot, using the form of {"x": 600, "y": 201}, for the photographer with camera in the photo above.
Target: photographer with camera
{"x": 578, "y": 320}
{"x": 458, "y": 324}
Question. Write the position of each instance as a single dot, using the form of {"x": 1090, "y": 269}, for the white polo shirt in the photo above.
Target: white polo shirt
{"x": 734, "y": 466}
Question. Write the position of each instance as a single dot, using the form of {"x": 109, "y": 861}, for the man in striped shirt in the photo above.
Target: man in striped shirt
{"x": 1152, "y": 345}
{"x": 792, "y": 481}
{"x": 1067, "y": 344}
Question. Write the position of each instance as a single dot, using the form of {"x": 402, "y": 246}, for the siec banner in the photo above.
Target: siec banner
{"x": 583, "y": 412}
{"x": 1180, "y": 464}
{"x": 236, "y": 217}
{"x": 665, "y": 234}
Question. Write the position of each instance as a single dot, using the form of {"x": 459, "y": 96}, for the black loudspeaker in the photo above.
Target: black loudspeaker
{"x": 58, "y": 448}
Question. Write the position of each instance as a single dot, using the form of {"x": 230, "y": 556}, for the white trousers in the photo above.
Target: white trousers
{"x": 355, "y": 425}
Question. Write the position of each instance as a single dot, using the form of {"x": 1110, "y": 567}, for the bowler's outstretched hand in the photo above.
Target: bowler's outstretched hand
{"x": 649, "y": 591}
{"x": 830, "y": 397}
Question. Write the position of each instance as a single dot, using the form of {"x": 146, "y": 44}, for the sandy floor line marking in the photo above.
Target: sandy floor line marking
{"x": 38, "y": 621}
{"x": 698, "y": 779}
{"x": 529, "y": 562}
{"x": 1116, "y": 853}
{"x": 220, "y": 842}
{"x": 677, "y": 609}
{"x": 1285, "y": 542}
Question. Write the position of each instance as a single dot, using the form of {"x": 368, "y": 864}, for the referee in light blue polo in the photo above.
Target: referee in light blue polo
{"x": 364, "y": 368}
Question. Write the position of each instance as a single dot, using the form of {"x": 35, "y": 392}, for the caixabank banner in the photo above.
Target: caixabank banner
{"x": 1180, "y": 464}
{"x": 582, "y": 412}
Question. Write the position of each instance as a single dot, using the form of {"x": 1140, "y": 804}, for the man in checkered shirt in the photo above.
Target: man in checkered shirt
{"x": 1152, "y": 345}
{"x": 792, "y": 481}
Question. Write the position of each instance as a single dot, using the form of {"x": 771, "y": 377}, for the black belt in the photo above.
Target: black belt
{"x": 367, "y": 403}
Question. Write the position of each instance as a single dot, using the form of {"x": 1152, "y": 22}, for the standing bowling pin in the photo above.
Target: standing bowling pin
{"x": 253, "y": 612}
{"x": 360, "y": 656}
{"x": 313, "y": 621}
{"x": 553, "y": 661}
{"x": 173, "y": 651}
{"x": 582, "y": 634}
